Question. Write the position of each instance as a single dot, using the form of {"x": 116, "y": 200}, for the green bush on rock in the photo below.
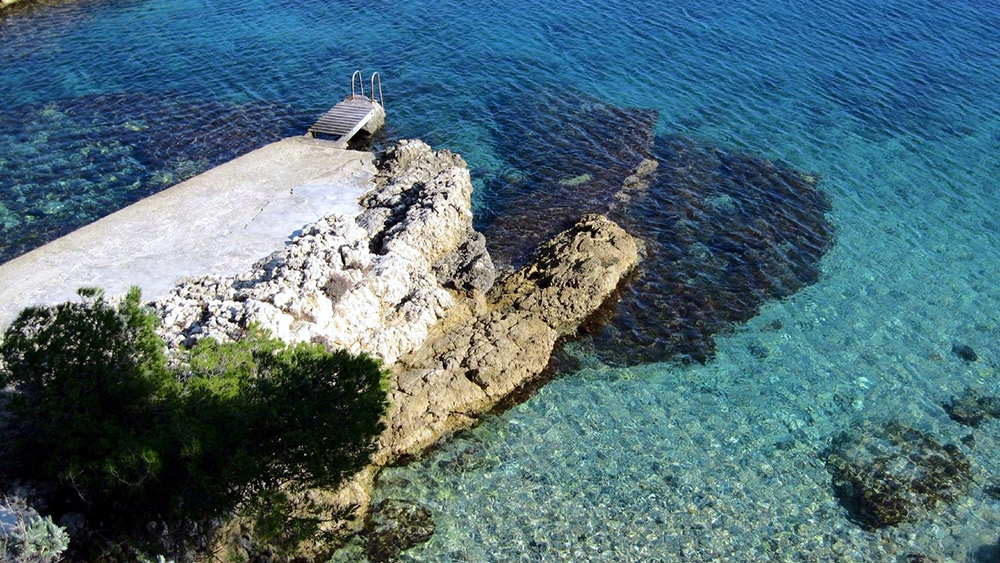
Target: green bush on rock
{"x": 27, "y": 537}
{"x": 129, "y": 440}
{"x": 91, "y": 379}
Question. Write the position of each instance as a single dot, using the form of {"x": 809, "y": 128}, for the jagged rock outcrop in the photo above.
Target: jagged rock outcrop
{"x": 483, "y": 352}
{"x": 490, "y": 345}
{"x": 373, "y": 283}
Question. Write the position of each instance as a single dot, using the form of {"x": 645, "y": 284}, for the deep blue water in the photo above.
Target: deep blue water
{"x": 893, "y": 105}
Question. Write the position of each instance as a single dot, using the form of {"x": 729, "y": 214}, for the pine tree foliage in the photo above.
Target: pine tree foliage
{"x": 128, "y": 440}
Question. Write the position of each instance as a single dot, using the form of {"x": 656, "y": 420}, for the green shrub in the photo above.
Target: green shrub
{"x": 129, "y": 441}
{"x": 26, "y": 537}
{"x": 91, "y": 378}
{"x": 262, "y": 415}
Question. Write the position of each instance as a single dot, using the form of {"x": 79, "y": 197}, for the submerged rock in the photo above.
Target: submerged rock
{"x": 965, "y": 352}
{"x": 722, "y": 232}
{"x": 888, "y": 474}
{"x": 972, "y": 407}
{"x": 394, "y": 526}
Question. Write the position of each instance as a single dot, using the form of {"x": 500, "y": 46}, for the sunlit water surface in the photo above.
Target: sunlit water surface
{"x": 893, "y": 105}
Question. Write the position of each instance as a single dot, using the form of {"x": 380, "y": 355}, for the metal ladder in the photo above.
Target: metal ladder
{"x": 358, "y": 80}
{"x": 348, "y": 117}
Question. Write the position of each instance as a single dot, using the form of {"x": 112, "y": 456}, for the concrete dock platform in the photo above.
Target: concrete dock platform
{"x": 219, "y": 222}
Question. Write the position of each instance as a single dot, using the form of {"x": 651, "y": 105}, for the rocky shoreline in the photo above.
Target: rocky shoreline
{"x": 409, "y": 281}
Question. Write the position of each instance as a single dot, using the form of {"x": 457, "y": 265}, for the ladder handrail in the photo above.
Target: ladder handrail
{"x": 361, "y": 82}
{"x": 374, "y": 76}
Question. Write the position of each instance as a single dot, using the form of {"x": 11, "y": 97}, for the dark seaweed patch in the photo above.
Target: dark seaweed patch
{"x": 723, "y": 231}
{"x": 888, "y": 474}
{"x": 973, "y": 407}
{"x": 568, "y": 155}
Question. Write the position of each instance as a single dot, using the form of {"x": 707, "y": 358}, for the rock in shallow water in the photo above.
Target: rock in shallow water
{"x": 395, "y": 526}
{"x": 887, "y": 474}
{"x": 973, "y": 407}
{"x": 483, "y": 352}
{"x": 965, "y": 352}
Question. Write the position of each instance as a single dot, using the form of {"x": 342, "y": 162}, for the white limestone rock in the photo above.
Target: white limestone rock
{"x": 365, "y": 283}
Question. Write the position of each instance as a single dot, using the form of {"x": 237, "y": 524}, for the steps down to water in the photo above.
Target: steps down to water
{"x": 355, "y": 114}
{"x": 345, "y": 119}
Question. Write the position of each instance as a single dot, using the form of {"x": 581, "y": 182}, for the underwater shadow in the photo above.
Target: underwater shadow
{"x": 985, "y": 554}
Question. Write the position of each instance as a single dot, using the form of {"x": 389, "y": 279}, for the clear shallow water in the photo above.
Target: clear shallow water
{"x": 893, "y": 104}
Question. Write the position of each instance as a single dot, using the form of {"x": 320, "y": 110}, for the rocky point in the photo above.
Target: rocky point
{"x": 410, "y": 281}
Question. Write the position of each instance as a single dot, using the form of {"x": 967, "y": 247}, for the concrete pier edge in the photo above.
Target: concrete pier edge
{"x": 219, "y": 222}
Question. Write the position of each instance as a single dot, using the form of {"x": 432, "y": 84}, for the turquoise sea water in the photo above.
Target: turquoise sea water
{"x": 894, "y": 105}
